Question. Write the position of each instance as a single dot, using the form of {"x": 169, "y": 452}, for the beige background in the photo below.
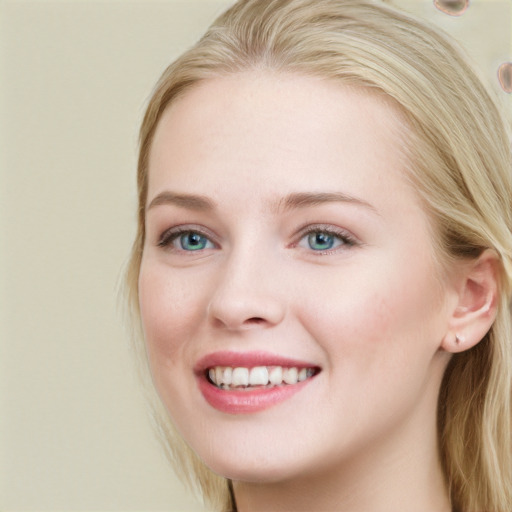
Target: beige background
{"x": 75, "y": 76}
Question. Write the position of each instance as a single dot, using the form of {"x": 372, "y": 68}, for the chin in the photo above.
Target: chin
{"x": 263, "y": 475}
{"x": 251, "y": 469}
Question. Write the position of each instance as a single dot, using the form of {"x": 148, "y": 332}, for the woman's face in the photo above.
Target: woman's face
{"x": 285, "y": 248}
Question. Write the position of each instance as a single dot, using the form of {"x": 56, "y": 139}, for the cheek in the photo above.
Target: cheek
{"x": 351, "y": 310}
{"x": 169, "y": 311}
{"x": 358, "y": 333}
{"x": 376, "y": 311}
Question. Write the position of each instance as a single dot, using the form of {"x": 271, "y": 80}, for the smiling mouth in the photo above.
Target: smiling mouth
{"x": 250, "y": 382}
{"x": 258, "y": 377}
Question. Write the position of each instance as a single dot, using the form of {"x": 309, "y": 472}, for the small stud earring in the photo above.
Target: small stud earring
{"x": 459, "y": 339}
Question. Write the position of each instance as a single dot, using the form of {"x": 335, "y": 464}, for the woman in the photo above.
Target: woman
{"x": 323, "y": 264}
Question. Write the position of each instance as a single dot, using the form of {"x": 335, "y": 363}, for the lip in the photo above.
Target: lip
{"x": 248, "y": 360}
{"x": 247, "y": 401}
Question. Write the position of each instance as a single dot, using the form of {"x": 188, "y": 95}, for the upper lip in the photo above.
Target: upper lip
{"x": 248, "y": 360}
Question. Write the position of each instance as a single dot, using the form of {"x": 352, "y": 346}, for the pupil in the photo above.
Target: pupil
{"x": 193, "y": 239}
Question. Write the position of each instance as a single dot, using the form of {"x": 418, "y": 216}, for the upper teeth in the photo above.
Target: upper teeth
{"x": 226, "y": 376}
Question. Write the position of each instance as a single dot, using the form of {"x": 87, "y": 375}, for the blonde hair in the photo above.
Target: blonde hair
{"x": 460, "y": 163}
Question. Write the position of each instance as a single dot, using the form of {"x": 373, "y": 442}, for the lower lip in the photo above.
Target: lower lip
{"x": 245, "y": 402}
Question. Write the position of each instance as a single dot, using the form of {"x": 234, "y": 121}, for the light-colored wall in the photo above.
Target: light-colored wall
{"x": 74, "y": 78}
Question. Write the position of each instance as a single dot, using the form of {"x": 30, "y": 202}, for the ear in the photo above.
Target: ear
{"x": 476, "y": 309}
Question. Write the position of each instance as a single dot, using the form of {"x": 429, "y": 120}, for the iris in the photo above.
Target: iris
{"x": 321, "y": 241}
{"x": 192, "y": 241}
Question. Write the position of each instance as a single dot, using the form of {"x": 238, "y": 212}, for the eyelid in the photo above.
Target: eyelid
{"x": 346, "y": 236}
{"x": 170, "y": 234}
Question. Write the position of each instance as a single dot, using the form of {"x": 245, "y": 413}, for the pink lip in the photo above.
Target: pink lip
{"x": 246, "y": 401}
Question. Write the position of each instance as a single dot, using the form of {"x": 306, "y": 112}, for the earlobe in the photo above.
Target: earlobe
{"x": 476, "y": 308}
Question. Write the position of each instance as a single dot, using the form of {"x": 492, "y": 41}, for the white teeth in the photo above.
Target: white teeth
{"x": 290, "y": 375}
{"x": 218, "y": 375}
{"x": 276, "y": 375}
{"x": 227, "y": 376}
{"x": 258, "y": 376}
{"x": 241, "y": 377}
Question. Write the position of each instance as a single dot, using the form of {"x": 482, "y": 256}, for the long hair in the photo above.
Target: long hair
{"x": 460, "y": 164}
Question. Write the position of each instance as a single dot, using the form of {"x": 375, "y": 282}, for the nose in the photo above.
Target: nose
{"x": 247, "y": 296}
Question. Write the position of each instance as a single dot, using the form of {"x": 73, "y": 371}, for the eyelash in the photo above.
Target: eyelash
{"x": 347, "y": 240}
{"x": 169, "y": 236}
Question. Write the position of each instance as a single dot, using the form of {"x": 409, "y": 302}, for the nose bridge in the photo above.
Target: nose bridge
{"x": 247, "y": 292}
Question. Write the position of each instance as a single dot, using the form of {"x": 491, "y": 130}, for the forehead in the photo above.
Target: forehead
{"x": 267, "y": 127}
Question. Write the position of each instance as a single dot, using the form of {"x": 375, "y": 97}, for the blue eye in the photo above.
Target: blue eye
{"x": 192, "y": 241}
{"x": 321, "y": 240}
{"x": 185, "y": 240}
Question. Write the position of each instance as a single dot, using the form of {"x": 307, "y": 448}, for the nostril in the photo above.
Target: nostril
{"x": 246, "y": 324}
{"x": 255, "y": 320}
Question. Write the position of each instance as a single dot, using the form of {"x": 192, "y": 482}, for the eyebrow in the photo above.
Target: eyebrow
{"x": 305, "y": 199}
{"x": 189, "y": 201}
{"x": 292, "y": 201}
